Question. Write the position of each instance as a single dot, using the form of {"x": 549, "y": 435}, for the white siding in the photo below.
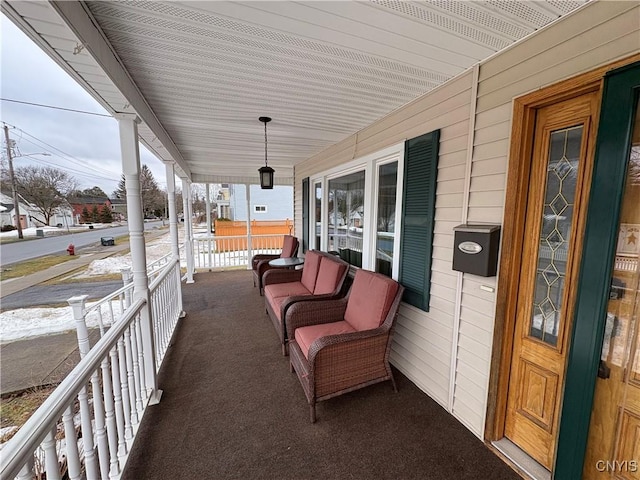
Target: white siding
{"x": 596, "y": 35}
{"x": 424, "y": 345}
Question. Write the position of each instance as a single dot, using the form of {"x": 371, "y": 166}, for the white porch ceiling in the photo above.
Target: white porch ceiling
{"x": 200, "y": 73}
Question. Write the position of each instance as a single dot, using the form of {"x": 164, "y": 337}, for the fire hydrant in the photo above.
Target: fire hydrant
{"x": 71, "y": 249}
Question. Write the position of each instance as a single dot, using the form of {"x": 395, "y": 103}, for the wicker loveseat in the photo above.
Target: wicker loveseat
{"x": 260, "y": 262}
{"x": 322, "y": 277}
{"x": 337, "y": 346}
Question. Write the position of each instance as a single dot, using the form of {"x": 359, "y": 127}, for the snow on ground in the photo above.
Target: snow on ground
{"x": 24, "y": 323}
{"x": 33, "y": 322}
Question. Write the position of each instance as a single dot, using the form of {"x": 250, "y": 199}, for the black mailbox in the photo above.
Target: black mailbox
{"x": 476, "y": 249}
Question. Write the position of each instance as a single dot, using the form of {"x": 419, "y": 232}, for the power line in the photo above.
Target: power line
{"x": 56, "y": 108}
{"x": 66, "y": 155}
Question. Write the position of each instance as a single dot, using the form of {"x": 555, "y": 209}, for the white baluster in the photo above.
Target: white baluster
{"x": 90, "y": 462}
{"x": 117, "y": 398}
{"x": 26, "y": 472}
{"x": 100, "y": 321}
{"x": 101, "y": 432}
{"x": 130, "y": 376}
{"x": 124, "y": 387}
{"x": 110, "y": 419}
{"x": 74, "y": 468}
{"x": 127, "y": 278}
{"x": 136, "y": 367}
{"x": 51, "y": 456}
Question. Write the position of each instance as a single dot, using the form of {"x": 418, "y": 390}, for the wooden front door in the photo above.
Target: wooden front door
{"x": 558, "y": 184}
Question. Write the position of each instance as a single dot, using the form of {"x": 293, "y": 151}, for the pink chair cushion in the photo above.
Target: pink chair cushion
{"x": 305, "y": 336}
{"x": 289, "y": 246}
{"x": 310, "y": 269}
{"x": 370, "y": 298}
{"x": 283, "y": 290}
{"x": 329, "y": 275}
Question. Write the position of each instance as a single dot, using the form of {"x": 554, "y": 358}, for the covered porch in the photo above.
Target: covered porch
{"x": 231, "y": 409}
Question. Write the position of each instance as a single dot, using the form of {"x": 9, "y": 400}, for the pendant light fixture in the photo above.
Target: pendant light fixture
{"x": 266, "y": 172}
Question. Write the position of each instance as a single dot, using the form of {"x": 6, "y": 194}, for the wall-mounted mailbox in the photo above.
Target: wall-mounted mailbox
{"x": 476, "y": 249}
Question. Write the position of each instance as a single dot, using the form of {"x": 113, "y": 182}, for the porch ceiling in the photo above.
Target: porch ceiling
{"x": 199, "y": 74}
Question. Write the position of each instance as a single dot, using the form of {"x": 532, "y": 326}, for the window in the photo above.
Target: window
{"x": 318, "y": 214}
{"x": 378, "y": 212}
{"x": 260, "y": 208}
{"x": 346, "y": 216}
{"x": 386, "y": 217}
{"x": 305, "y": 214}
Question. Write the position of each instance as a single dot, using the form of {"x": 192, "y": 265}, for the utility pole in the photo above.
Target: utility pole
{"x": 14, "y": 190}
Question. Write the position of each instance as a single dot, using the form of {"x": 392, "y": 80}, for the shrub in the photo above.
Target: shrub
{"x": 7, "y": 228}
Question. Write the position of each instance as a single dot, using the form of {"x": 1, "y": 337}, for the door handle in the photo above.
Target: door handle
{"x": 604, "y": 371}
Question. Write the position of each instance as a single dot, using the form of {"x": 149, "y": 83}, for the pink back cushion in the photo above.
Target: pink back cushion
{"x": 310, "y": 269}
{"x": 329, "y": 275}
{"x": 370, "y": 298}
{"x": 289, "y": 246}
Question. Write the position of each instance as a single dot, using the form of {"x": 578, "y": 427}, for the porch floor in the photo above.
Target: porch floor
{"x": 231, "y": 409}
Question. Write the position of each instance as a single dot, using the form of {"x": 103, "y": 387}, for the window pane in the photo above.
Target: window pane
{"x": 564, "y": 155}
{"x": 387, "y": 180}
{"x": 318, "y": 214}
{"x": 346, "y": 217}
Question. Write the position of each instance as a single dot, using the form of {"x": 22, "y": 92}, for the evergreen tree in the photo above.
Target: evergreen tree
{"x": 95, "y": 214}
{"x": 105, "y": 215}
{"x": 85, "y": 216}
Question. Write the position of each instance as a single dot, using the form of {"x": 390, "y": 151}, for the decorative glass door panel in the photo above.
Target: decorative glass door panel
{"x": 613, "y": 450}
{"x": 555, "y": 233}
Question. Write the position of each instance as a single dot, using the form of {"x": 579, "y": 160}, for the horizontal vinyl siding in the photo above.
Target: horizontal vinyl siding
{"x": 423, "y": 340}
{"x": 577, "y": 44}
{"x": 597, "y": 34}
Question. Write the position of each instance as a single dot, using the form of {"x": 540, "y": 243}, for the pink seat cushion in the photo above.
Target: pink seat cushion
{"x": 289, "y": 246}
{"x": 305, "y": 336}
{"x": 289, "y": 289}
{"x": 329, "y": 275}
{"x": 310, "y": 269}
{"x": 370, "y": 298}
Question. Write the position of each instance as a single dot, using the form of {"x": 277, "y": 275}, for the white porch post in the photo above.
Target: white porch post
{"x": 128, "y": 125}
{"x": 208, "y": 204}
{"x": 173, "y": 217}
{"x": 249, "y": 246}
{"x": 188, "y": 235}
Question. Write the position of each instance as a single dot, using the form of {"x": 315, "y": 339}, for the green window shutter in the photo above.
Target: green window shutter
{"x": 418, "y": 212}
{"x": 305, "y": 214}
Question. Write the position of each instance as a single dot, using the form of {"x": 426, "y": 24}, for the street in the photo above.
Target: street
{"x": 26, "y": 250}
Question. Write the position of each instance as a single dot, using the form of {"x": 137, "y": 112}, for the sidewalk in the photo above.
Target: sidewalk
{"x": 46, "y": 360}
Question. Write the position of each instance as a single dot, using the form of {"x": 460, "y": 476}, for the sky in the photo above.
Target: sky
{"x": 86, "y": 146}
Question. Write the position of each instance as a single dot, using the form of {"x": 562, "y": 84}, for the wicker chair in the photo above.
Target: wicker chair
{"x": 260, "y": 262}
{"x": 337, "y": 346}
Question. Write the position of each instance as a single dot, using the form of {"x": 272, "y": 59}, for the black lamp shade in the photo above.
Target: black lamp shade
{"x": 266, "y": 177}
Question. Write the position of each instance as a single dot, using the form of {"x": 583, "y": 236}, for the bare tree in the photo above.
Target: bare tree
{"x": 46, "y": 188}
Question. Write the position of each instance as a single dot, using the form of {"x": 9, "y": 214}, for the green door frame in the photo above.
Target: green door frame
{"x": 613, "y": 143}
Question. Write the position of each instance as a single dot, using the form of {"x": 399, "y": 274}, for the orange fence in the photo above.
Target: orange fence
{"x": 225, "y": 228}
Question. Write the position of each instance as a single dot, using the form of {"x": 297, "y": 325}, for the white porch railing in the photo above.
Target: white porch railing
{"x": 166, "y": 307}
{"x": 99, "y": 405}
{"x": 231, "y": 251}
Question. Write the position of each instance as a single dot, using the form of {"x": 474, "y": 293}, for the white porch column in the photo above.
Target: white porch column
{"x": 173, "y": 217}
{"x": 188, "y": 233}
{"x": 128, "y": 125}
{"x": 249, "y": 246}
{"x": 208, "y": 204}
